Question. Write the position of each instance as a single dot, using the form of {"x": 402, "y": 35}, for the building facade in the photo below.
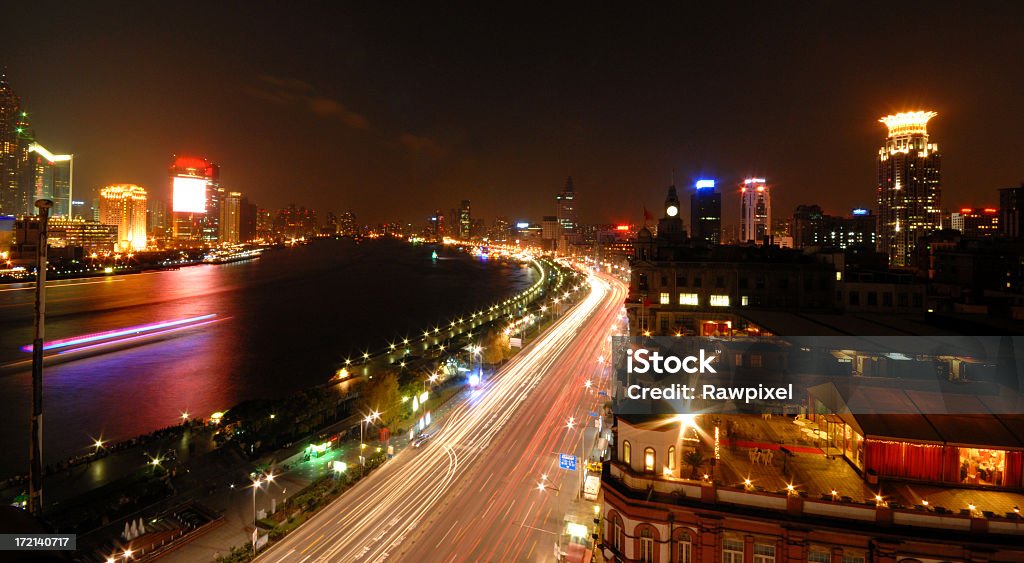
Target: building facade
{"x": 565, "y": 203}
{"x": 124, "y": 205}
{"x": 465, "y": 220}
{"x": 706, "y": 214}
{"x": 755, "y": 211}
{"x": 231, "y": 218}
{"x": 1011, "y": 212}
{"x": 909, "y": 188}
{"x": 653, "y": 511}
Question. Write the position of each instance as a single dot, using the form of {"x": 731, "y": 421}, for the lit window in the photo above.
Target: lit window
{"x": 839, "y": 276}
{"x": 744, "y": 300}
{"x": 684, "y": 550}
{"x": 719, "y": 300}
{"x": 649, "y": 459}
{"x": 689, "y": 299}
{"x": 764, "y": 553}
{"x": 671, "y": 458}
{"x": 627, "y": 453}
{"x": 732, "y": 551}
{"x": 646, "y": 546}
{"x": 664, "y": 298}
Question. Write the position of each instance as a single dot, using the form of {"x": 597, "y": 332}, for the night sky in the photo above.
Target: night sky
{"x": 394, "y": 111}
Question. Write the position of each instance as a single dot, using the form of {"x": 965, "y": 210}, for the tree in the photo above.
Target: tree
{"x": 695, "y": 459}
{"x": 496, "y": 347}
{"x": 381, "y": 394}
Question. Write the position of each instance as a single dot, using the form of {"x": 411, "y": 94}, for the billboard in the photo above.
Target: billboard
{"x": 189, "y": 195}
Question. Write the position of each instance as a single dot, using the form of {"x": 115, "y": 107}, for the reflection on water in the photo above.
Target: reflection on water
{"x": 289, "y": 319}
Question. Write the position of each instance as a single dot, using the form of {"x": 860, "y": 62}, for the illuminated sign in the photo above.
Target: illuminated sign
{"x": 189, "y": 195}
{"x": 860, "y": 211}
{"x": 622, "y": 227}
{"x": 702, "y": 184}
{"x": 522, "y": 225}
{"x": 749, "y": 181}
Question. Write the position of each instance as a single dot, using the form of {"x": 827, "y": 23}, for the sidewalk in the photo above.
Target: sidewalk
{"x": 235, "y": 503}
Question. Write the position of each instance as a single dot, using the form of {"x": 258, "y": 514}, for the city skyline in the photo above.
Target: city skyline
{"x": 356, "y": 129}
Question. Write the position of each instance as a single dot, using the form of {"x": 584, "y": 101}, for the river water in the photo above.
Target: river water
{"x": 283, "y": 323}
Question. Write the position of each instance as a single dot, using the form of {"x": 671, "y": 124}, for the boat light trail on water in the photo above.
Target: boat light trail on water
{"x": 118, "y": 333}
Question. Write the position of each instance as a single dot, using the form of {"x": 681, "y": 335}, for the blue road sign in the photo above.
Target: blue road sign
{"x": 566, "y": 461}
{"x": 602, "y": 393}
{"x": 592, "y": 413}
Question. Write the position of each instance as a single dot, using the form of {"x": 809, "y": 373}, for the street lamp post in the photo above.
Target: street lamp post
{"x": 35, "y": 471}
{"x": 255, "y": 486}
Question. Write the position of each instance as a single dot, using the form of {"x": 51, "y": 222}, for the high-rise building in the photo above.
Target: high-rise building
{"x": 230, "y": 218}
{"x": 706, "y": 213}
{"x": 191, "y": 178}
{"x": 566, "y": 208}
{"x": 10, "y": 117}
{"x": 811, "y": 227}
{"x": 347, "y": 224}
{"x": 159, "y": 226}
{"x": 755, "y": 211}
{"x": 124, "y": 205}
{"x": 51, "y": 177}
{"x": 465, "y": 221}
{"x": 978, "y": 222}
{"x": 502, "y": 229}
{"x": 247, "y": 220}
{"x": 1011, "y": 212}
{"x": 908, "y": 186}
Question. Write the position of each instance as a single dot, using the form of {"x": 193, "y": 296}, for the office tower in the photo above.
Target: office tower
{"x": 247, "y": 213}
{"x": 566, "y": 208}
{"x": 706, "y": 213}
{"x": 755, "y": 211}
{"x": 1011, "y": 212}
{"x": 124, "y": 205}
{"x": 347, "y": 224}
{"x": 908, "y": 186}
{"x": 812, "y": 227}
{"x": 465, "y": 221}
{"x": 190, "y": 183}
{"x": 51, "y": 178}
{"x": 159, "y": 226}
{"x": 230, "y": 222}
{"x": 10, "y": 155}
{"x": 978, "y": 222}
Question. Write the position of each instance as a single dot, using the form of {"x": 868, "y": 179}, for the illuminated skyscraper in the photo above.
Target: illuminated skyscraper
{"x": 230, "y": 218}
{"x": 191, "y": 178}
{"x": 465, "y": 221}
{"x": 51, "y": 178}
{"x": 706, "y": 213}
{"x": 755, "y": 211}
{"x": 566, "y": 208}
{"x": 908, "y": 186}
{"x": 124, "y": 205}
{"x": 16, "y": 176}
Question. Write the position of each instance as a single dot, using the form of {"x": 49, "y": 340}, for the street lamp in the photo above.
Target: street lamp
{"x": 362, "y": 428}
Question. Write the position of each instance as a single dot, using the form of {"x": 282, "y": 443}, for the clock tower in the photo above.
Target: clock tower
{"x": 670, "y": 227}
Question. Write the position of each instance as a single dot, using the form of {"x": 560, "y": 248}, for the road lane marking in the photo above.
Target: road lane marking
{"x": 446, "y": 533}
{"x": 311, "y": 544}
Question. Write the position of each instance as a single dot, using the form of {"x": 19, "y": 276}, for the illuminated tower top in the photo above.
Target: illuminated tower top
{"x": 908, "y": 123}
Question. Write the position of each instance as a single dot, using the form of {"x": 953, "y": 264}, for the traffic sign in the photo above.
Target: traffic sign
{"x": 566, "y": 461}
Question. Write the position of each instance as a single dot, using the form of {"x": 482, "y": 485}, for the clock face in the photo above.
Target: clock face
{"x": 671, "y": 210}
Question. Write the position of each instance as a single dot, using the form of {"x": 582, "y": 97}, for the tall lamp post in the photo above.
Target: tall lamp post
{"x": 362, "y": 445}
{"x": 35, "y": 471}
{"x": 255, "y": 486}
